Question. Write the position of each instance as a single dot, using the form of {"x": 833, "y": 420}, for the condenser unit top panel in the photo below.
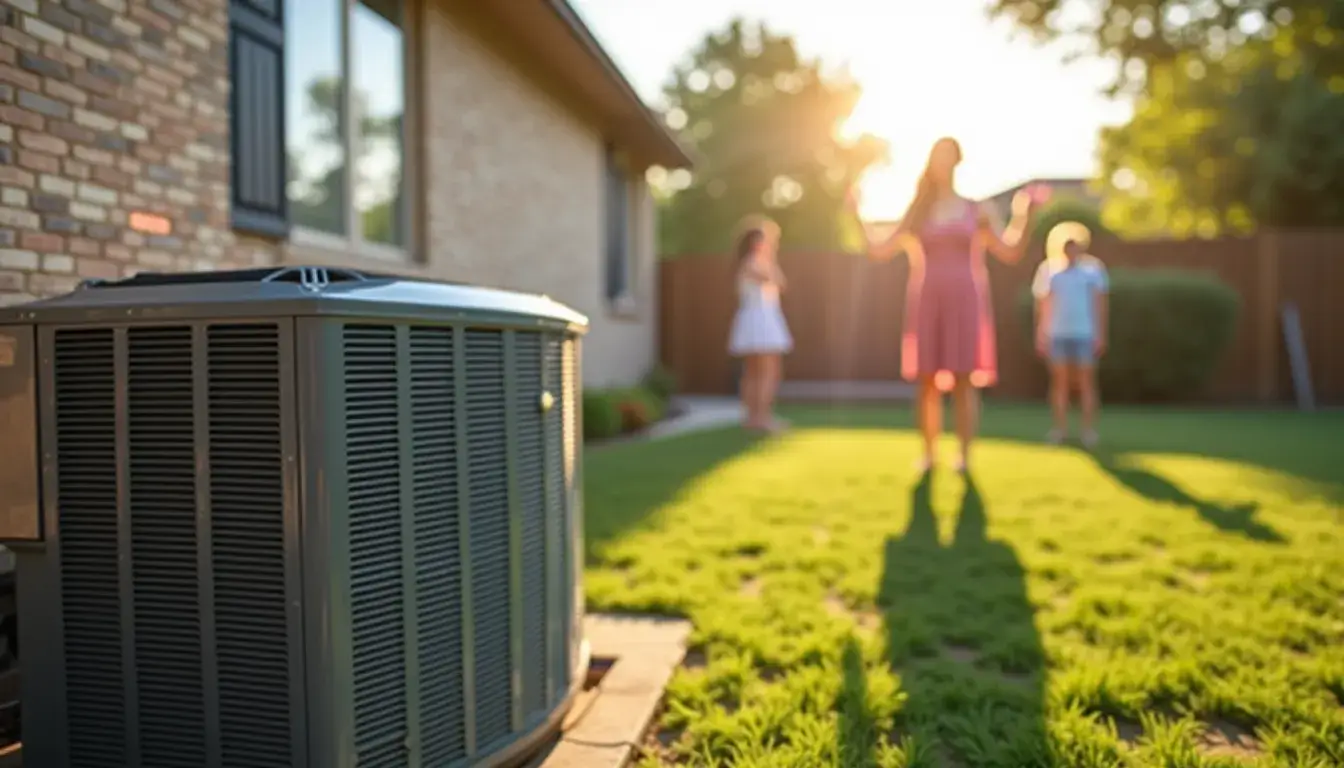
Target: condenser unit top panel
{"x": 292, "y": 291}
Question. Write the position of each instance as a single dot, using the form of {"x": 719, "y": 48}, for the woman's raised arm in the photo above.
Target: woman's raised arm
{"x": 1010, "y": 246}
{"x": 895, "y": 243}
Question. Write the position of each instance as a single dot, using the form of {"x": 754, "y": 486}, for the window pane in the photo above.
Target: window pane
{"x": 314, "y": 132}
{"x": 380, "y": 91}
{"x": 617, "y": 188}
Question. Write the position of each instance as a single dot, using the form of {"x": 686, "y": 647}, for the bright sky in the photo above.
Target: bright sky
{"x": 928, "y": 69}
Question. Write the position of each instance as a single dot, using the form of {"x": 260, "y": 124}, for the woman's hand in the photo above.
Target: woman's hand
{"x": 1011, "y": 245}
{"x": 1030, "y": 198}
{"x": 1007, "y": 247}
{"x": 1024, "y": 203}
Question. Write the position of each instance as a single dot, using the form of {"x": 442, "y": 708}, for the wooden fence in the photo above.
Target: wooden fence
{"x": 845, "y": 313}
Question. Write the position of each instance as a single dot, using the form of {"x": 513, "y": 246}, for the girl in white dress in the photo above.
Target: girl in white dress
{"x": 759, "y": 334}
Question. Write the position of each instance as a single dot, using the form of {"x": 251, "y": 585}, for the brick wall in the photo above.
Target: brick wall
{"x": 109, "y": 107}
{"x": 515, "y": 190}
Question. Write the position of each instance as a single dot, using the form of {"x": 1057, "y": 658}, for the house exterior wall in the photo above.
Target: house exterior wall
{"x": 108, "y": 107}
{"x": 115, "y": 107}
{"x": 515, "y": 191}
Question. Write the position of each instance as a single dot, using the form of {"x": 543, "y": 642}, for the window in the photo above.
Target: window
{"x": 619, "y": 250}
{"x": 345, "y": 127}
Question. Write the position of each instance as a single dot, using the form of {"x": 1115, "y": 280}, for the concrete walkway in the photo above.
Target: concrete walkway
{"x": 696, "y": 414}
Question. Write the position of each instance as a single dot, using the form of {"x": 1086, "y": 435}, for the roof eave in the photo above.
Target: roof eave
{"x": 661, "y": 147}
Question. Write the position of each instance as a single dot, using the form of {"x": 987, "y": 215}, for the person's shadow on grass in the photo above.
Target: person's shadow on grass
{"x": 1236, "y": 519}
{"x": 961, "y": 635}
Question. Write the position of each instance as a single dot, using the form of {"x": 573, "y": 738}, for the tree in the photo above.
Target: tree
{"x": 1239, "y": 109}
{"x": 1252, "y": 140}
{"x": 318, "y": 195}
{"x": 762, "y": 123}
{"x": 1141, "y": 34}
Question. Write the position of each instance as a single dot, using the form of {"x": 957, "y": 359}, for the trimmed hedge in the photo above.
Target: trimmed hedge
{"x": 1169, "y": 330}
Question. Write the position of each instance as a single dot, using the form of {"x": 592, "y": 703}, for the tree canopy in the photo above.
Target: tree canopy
{"x": 1239, "y": 109}
{"x": 318, "y": 191}
{"x": 763, "y": 124}
{"x": 1143, "y": 33}
{"x": 1253, "y": 140}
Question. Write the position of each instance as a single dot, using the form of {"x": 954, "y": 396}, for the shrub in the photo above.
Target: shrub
{"x": 634, "y": 415}
{"x": 650, "y": 405}
{"x": 661, "y": 383}
{"x": 601, "y": 415}
{"x": 1064, "y": 209}
{"x": 1169, "y": 330}
{"x": 608, "y": 413}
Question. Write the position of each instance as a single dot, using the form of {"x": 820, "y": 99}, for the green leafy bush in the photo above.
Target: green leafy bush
{"x": 634, "y": 415}
{"x": 648, "y": 402}
{"x": 661, "y": 383}
{"x": 1060, "y": 210}
{"x": 1169, "y": 330}
{"x": 601, "y": 415}
{"x": 609, "y": 413}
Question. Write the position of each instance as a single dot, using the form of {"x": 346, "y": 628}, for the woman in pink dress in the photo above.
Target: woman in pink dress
{"x": 947, "y": 343}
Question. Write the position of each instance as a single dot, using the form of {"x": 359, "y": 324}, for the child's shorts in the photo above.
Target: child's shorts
{"x": 1073, "y": 351}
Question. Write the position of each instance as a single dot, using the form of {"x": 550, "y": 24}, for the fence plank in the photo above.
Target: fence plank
{"x": 846, "y": 312}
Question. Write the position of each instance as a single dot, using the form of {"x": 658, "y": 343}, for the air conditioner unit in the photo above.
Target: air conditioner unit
{"x": 294, "y": 518}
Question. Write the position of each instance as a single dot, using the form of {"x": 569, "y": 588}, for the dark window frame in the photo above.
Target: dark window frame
{"x": 253, "y": 171}
{"x": 618, "y": 230}
{"x": 258, "y": 141}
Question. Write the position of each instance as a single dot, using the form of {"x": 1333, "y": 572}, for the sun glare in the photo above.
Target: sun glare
{"x": 885, "y": 189}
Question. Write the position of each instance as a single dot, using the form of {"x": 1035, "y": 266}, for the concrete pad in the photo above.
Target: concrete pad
{"x": 608, "y": 724}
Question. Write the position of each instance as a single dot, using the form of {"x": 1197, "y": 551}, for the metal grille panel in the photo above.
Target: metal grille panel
{"x": 85, "y": 385}
{"x": 531, "y": 480}
{"x": 173, "y": 702}
{"x": 571, "y": 561}
{"x": 438, "y": 558}
{"x": 165, "y": 582}
{"x": 489, "y": 534}
{"x": 248, "y": 556}
{"x": 553, "y": 371}
{"x": 177, "y": 542}
{"x": 376, "y": 586}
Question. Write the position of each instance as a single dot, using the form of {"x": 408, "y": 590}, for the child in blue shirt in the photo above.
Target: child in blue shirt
{"x": 1071, "y": 320}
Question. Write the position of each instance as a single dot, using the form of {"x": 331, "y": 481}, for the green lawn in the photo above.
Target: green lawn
{"x": 1176, "y": 600}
